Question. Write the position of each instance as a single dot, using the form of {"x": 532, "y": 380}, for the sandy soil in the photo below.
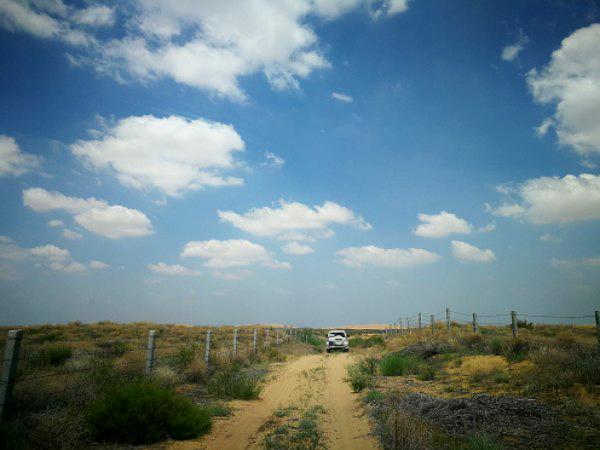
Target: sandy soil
{"x": 344, "y": 428}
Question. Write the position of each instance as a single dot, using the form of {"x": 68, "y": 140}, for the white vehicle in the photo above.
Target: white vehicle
{"x": 337, "y": 340}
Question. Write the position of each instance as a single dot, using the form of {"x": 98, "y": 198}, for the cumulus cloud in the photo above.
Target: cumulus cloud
{"x": 171, "y": 270}
{"x": 55, "y": 223}
{"x": 9, "y": 250}
{"x": 171, "y": 154}
{"x": 13, "y": 161}
{"x": 342, "y": 97}
{"x": 573, "y": 263}
{"x": 441, "y": 225}
{"x": 467, "y": 252}
{"x": 96, "y": 216}
{"x": 71, "y": 235}
{"x": 571, "y": 82}
{"x": 98, "y": 265}
{"x": 550, "y": 238}
{"x": 50, "y": 252}
{"x": 295, "y": 248}
{"x": 386, "y": 257}
{"x": 272, "y": 160}
{"x": 293, "y": 216}
{"x": 207, "y": 45}
{"x": 511, "y": 52}
{"x": 555, "y": 200}
{"x": 231, "y": 253}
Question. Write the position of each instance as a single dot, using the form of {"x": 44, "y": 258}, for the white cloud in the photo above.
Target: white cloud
{"x": 487, "y": 228}
{"x": 231, "y": 253}
{"x": 232, "y": 276}
{"x": 95, "y": 16}
{"x": 12, "y": 160}
{"x": 386, "y": 257}
{"x": 342, "y": 97}
{"x": 171, "y": 270}
{"x": 205, "y": 44}
{"x": 72, "y": 267}
{"x": 295, "y": 248}
{"x": 293, "y": 216}
{"x": 72, "y": 235}
{"x": 50, "y": 253}
{"x": 556, "y": 200}
{"x": 171, "y": 154}
{"x": 272, "y": 160}
{"x": 571, "y": 82}
{"x": 55, "y": 223}
{"x": 511, "y": 52}
{"x": 441, "y": 225}
{"x": 550, "y": 238}
{"x": 98, "y": 265}
{"x": 467, "y": 252}
{"x": 303, "y": 237}
{"x": 96, "y": 216}
{"x": 570, "y": 263}
{"x": 543, "y": 128}
{"x": 588, "y": 164}
{"x": 11, "y": 251}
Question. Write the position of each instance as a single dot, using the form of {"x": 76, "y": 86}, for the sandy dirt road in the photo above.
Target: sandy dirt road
{"x": 308, "y": 379}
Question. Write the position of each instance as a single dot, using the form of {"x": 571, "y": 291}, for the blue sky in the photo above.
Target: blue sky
{"x": 308, "y": 162}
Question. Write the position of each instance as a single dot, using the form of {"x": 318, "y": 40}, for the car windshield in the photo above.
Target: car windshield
{"x": 337, "y": 333}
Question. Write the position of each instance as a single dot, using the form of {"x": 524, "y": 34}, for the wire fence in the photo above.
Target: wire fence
{"x": 40, "y": 369}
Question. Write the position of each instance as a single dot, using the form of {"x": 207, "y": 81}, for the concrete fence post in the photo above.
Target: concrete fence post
{"x": 448, "y": 325}
{"x": 207, "y": 347}
{"x": 432, "y": 324}
{"x": 235, "y": 333}
{"x": 150, "y": 351}
{"x": 419, "y": 324}
{"x": 254, "y": 341}
{"x": 400, "y": 330}
{"x": 9, "y": 370}
{"x": 597, "y": 317}
{"x": 267, "y": 338}
{"x": 408, "y": 326}
{"x": 514, "y": 325}
{"x": 475, "y": 323}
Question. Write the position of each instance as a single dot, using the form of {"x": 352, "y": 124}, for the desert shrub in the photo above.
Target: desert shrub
{"x": 368, "y": 366}
{"x": 496, "y": 346}
{"x": 142, "y": 412}
{"x": 480, "y": 368}
{"x": 113, "y": 348}
{"x": 218, "y": 410}
{"x": 523, "y": 324}
{"x": 404, "y": 432}
{"x": 55, "y": 428}
{"x": 51, "y": 355}
{"x": 273, "y": 354}
{"x": 373, "y": 396}
{"x": 51, "y": 336}
{"x": 317, "y": 343}
{"x": 371, "y": 341}
{"x": 556, "y": 368}
{"x": 481, "y": 442}
{"x": 517, "y": 349}
{"x": 427, "y": 372}
{"x": 397, "y": 365}
{"x": 184, "y": 357}
{"x": 231, "y": 383}
{"x": 475, "y": 342}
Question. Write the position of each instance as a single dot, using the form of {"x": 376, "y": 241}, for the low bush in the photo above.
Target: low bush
{"x": 361, "y": 375}
{"x": 142, "y": 412}
{"x": 373, "y": 396}
{"x": 52, "y": 355}
{"x": 231, "y": 383}
{"x": 517, "y": 349}
{"x": 371, "y": 341}
{"x": 113, "y": 348}
{"x": 397, "y": 365}
{"x": 481, "y": 442}
{"x": 184, "y": 357}
{"x": 427, "y": 372}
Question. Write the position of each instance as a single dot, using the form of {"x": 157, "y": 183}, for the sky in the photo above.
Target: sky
{"x": 309, "y": 162}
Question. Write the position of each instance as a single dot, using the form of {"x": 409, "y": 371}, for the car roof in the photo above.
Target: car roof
{"x": 337, "y": 331}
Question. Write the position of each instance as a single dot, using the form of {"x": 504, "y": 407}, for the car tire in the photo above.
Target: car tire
{"x": 328, "y": 350}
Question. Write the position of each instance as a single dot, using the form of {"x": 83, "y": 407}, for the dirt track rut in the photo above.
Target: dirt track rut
{"x": 345, "y": 428}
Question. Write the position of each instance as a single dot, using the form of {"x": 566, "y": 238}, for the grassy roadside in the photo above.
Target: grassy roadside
{"x": 483, "y": 391}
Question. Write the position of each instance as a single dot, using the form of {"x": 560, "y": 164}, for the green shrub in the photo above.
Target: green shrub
{"x": 141, "y": 412}
{"x": 481, "y": 442}
{"x": 231, "y": 383}
{"x": 184, "y": 357}
{"x": 396, "y": 365}
{"x": 52, "y": 355}
{"x": 373, "y": 396}
{"x": 427, "y": 372}
{"x": 368, "y": 366}
{"x": 517, "y": 349}
{"x": 371, "y": 341}
{"x": 113, "y": 348}
{"x": 360, "y": 376}
{"x": 218, "y": 410}
{"x": 496, "y": 346}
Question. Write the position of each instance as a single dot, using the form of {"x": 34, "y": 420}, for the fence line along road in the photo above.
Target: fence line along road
{"x": 217, "y": 344}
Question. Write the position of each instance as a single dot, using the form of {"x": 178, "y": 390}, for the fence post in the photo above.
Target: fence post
{"x": 597, "y": 317}
{"x": 150, "y": 351}
{"x": 419, "y": 322}
{"x": 207, "y": 348}
{"x": 267, "y": 338}
{"x": 235, "y": 331}
{"x": 408, "y": 326}
{"x": 515, "y": 326}
{"x": 9, "y": 370}
{"x": 474, "y": 322}
{"x": 254, "y": 340}
{"x": 448, "y": 326}
{"x": 432, "y": 324}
